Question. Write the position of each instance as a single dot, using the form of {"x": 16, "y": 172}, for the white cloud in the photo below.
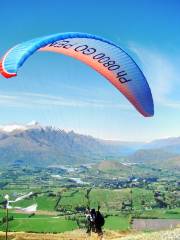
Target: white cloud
{"x": 38, "y": 100}
{"x": 161, "y": 73}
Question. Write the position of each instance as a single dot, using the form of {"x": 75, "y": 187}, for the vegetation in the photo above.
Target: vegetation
{"x": 62, "y": 200}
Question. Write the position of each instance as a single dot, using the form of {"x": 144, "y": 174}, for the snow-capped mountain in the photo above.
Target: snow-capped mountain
{"x": 45, "y": 145}
{"x": 19, "y": 127}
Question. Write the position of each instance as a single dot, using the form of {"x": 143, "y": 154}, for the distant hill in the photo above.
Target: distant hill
{"x": 151, "y": 156}
{"x": 161, "y": 152}
{"x": 168, "y": 144}
{"x": 111, "y": 165}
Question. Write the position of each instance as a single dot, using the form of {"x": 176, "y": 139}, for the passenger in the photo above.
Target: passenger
{"x": 99, "y": 222}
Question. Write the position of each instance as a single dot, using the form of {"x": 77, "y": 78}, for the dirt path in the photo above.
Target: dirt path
{"x": 73, "y": 235}
{"x": 40, "y": 212}
{"x": 108, "y": 235}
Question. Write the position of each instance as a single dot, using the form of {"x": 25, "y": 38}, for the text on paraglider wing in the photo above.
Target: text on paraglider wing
{"x": 102, "y": 58}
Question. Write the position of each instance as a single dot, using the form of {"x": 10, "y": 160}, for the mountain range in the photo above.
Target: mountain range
{"x": 38, "y": 145}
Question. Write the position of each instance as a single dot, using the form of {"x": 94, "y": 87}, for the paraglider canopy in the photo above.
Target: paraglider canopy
{"x": 102, "y": 55}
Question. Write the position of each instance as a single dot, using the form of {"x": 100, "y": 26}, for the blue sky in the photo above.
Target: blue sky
{"x": 76, "y": 97}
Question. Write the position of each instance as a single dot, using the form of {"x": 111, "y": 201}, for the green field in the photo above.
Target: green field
{"x": 117, "y": 223}
{"x": 43, "y": 224}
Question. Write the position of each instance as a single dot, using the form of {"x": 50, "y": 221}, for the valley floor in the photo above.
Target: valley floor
{"x": 109, "y": 235}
